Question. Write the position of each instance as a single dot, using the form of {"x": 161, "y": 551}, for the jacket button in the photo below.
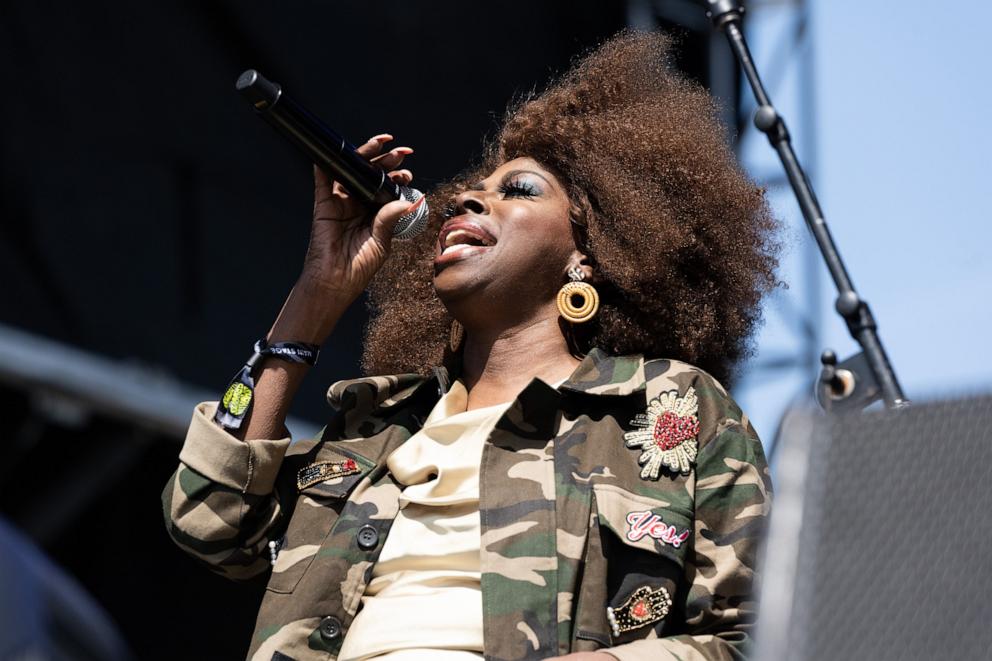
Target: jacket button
{"x": 368, "y": 538}
{"x": 330, "y": 628}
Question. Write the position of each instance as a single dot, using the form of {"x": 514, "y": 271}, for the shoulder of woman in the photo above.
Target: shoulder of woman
{"x": 690, "y": 391}
{"x": 372, "y": 392}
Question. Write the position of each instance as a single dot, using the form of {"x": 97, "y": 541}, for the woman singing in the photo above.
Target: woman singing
{"x": 554, "y": 469}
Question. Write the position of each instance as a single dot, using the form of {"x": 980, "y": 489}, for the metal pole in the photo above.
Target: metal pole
{"x": 726, "y": 16}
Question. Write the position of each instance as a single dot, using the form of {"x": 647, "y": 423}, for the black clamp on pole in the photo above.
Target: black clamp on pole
{"x": 865, "y": 377}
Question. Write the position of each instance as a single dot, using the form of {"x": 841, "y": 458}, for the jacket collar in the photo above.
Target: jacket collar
{"x": 598, "y": 374}
{"x": 602, "y": 374}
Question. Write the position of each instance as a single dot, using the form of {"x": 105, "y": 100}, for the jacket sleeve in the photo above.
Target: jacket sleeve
{"x": 220, "y": 505}
{"x": 732, "y": 501}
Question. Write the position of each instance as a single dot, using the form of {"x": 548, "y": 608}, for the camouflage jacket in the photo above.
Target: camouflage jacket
{"x": 582, "y": 547}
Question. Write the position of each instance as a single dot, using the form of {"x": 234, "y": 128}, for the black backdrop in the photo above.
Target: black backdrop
{"x": 140, "y": 192}
{"x": 139, "y": 195}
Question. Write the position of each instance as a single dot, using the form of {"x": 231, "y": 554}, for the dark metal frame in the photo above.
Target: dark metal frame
{"x": 837, "y": 389}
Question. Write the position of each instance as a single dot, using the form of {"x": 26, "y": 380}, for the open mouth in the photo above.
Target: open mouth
{"x": 463, "y": 236}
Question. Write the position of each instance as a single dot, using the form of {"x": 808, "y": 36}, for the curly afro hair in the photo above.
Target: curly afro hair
{"x": 682, "y": 242}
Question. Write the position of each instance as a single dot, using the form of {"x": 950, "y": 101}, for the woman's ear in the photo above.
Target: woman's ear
{"x": 580, "y": 264}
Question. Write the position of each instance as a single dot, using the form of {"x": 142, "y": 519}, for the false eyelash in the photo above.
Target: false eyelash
{"x": 518, "y": 188}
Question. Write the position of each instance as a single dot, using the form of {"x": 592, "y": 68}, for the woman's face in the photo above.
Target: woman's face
{"x": 509, "y": 241}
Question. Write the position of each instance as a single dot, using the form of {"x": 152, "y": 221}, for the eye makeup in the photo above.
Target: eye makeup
{"x": 517, "y": 186}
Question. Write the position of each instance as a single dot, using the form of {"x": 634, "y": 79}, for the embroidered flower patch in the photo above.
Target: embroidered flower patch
{"x": 667, "y": 434}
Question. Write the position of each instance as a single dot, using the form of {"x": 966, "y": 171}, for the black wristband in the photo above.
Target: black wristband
{"x": 237, "y": 400}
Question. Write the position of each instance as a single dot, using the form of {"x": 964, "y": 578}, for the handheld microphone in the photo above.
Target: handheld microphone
{"x": 331, "y": 152}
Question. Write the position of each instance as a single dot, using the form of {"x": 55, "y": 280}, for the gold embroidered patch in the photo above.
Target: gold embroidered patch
{"x": 643, "y": 607}
{"x": 325, "y": 470}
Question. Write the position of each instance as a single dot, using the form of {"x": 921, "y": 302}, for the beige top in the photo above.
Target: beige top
{"x": 425, "y": 600}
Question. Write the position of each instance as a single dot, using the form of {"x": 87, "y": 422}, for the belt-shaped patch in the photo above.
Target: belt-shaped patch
{"x": 325, "y": 470}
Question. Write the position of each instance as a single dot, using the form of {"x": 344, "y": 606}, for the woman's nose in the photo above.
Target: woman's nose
{"x": 471, "y": 201}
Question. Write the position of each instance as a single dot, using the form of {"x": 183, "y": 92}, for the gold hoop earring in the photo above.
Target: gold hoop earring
{"x": 585, "y": 308}
{"x": 456, "y": 336}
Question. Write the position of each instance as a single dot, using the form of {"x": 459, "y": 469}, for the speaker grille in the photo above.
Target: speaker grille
{"x": 894, "y": 553}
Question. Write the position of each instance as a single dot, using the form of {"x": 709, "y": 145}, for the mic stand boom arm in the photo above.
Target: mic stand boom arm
{"x": 726, "y": 16}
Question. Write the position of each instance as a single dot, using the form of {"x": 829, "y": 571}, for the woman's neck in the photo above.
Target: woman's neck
{"x": 497, "y": 365}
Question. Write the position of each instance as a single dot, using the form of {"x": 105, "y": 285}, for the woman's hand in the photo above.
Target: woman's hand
{"x": 346, "y": 249}
{"x": 346, "y": 246}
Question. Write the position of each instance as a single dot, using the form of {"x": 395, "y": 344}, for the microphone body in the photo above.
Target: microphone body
{"x": 329, "y": 150}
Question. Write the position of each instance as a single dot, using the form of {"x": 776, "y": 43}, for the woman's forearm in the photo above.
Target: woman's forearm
{"x": 309, "y": 315}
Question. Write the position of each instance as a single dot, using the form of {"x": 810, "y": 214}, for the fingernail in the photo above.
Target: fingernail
{"x": 404, "y": 150}
{"x": 382, "y": 137}
{"x": 416, "y": 204}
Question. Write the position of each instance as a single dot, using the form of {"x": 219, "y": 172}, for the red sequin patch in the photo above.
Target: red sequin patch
{"x": 640, "y": 610}
{"x": 671, "y": 429}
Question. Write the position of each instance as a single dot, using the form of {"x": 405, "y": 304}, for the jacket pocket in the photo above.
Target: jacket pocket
{"x": 322, "y": 486}
{"x": 644, "y": 542}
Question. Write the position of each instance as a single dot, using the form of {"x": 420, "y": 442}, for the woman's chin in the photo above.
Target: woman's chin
{"x": 461, "y": 268}
{"x": 449, "y": 287}
{"x": 457, "y": 280}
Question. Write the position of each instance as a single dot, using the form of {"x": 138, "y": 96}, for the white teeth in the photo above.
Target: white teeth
{"x": 454, "y": 236}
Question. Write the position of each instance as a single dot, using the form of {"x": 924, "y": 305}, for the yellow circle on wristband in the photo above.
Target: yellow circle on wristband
{"x": 237, "y": 398}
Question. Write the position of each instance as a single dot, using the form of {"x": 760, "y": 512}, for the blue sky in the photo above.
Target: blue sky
{"x": 898, "y": 151}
